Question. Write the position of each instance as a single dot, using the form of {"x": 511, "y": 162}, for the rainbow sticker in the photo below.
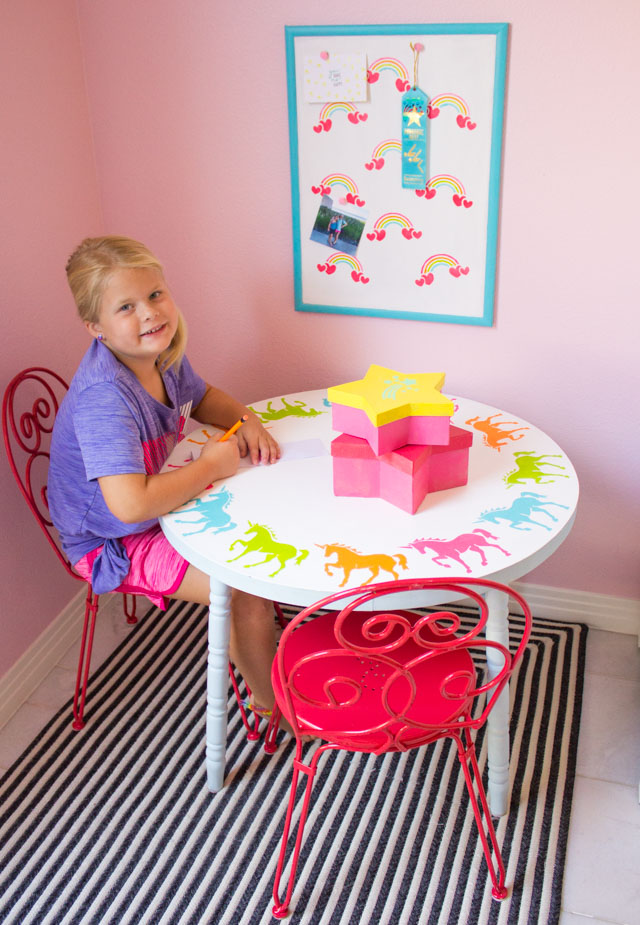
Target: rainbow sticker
{"x": 456, "y": 102}
{"x": 438, "y": 260}
{"x": 325, "y": 120}
{"x": 389, "y": 219}
{"x": 377, "y": 158}
{"x": 339, "y": 179}
{"x": 331, "y": 265}
{"x": 446, "y": 180}
{"x": 389, "y": 64}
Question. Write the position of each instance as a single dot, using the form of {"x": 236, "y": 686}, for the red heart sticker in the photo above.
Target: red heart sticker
{"x": 455, "y": 271}
{"x": 407, "y": 233}
{"x": 464, "y": 270}
{"x": 457, "y": 199}
{"x": 461, "y": 120}
{"x": 330, "y": 268}
{"x": 430, "y": 193}
{"x": 428, "y": 279}
{"x": 372, "y": 76}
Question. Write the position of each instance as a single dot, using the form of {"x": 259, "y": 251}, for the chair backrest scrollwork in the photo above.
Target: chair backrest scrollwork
{"x": 30, "y": 405}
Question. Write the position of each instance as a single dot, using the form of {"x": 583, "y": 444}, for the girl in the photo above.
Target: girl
{"x": 125, "y": 410}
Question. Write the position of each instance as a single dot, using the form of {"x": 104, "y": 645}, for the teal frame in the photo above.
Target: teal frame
{"x": 501, "y": 31}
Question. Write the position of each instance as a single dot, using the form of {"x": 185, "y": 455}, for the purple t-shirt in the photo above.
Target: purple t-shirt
{"x": 108, "y": 424}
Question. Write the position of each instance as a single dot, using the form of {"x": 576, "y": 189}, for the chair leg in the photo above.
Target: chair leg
{"x": 253, "y": 733}
{"x": 282, "y": 620}
{"x": 468, "y": 760}
{"x": 129, "y": 611}
{"x": 281, "y": 907}
{"x": 84, "y": 662}
{"x": 270, "y": 744}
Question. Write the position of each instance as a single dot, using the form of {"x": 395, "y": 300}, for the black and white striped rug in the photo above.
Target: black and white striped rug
{"x": 115, "y": 824}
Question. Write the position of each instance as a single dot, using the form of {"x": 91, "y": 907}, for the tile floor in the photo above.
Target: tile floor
{"x": 602, "y": 876}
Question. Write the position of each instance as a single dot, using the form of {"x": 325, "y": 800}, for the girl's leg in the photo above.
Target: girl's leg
{"x": 252, "y": 644}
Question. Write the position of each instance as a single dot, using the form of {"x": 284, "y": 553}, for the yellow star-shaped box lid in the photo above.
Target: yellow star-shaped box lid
{"x": 386, "y": 395}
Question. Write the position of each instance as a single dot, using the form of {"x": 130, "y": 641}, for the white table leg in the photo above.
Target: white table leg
{"x": 498, "y": 723}
{"x": 217, "y": 683}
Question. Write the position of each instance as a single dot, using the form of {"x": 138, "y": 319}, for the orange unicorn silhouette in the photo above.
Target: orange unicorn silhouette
{"x": 349, "y": 559}
{"x": 491, "y": 432}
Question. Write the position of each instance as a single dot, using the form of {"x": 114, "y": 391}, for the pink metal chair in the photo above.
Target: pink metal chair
{"x": 372, "y": 680}
{"x": 29, "y": 409}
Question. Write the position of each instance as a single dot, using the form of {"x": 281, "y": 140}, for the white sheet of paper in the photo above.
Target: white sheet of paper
{"x": 296, "y": 449}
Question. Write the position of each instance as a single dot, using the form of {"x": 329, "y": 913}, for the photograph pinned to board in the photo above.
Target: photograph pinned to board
{"x": 423, "y": 250}
{"x": 339, "y": 225}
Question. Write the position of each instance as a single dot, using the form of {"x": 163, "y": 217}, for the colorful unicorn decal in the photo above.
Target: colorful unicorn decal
{"x": 492, "y": 434}
{"x": 264, "y": 542}
{"x": 349, "y": 559}
{"x": 453, "y": 549}
{"x": 529, "y": 468}
{"x": 325, "y": 121}
{"x": 297, "y": 410}
{"x": 212, "y": 514}
{"x": 519, "y": 514}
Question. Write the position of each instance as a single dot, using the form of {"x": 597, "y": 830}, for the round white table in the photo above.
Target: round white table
{"x": 279, "y": 532}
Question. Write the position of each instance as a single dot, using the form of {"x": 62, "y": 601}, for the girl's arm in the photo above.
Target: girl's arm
{"x": 221, "y": 410}
{"x": 135, "y": 497}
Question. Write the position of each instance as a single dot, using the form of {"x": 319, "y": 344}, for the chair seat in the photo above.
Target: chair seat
{"x": 382, "y": 707}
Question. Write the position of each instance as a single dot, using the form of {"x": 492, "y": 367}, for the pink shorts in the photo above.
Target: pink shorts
{"x": 156, "y": 568}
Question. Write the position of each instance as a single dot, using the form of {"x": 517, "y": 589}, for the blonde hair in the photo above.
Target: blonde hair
{"x": 90, "y": 268}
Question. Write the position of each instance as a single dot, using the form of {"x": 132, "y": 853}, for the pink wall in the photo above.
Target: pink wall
{"x": 49, "y": 196}
{"x": 191, "y": 126}
{"x": 170, "y": 84}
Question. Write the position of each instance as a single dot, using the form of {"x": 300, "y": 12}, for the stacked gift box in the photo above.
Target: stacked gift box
{"x": 397, "y": 441}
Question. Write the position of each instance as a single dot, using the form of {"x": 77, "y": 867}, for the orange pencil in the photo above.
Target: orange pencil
{"x": 232, "y": 430}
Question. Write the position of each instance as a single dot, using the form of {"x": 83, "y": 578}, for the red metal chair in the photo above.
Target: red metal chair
{"x": 373, "y": 680}
{"x": 29, "y": 409}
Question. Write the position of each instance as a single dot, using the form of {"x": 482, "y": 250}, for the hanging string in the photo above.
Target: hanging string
{"x": 416, "y": 49}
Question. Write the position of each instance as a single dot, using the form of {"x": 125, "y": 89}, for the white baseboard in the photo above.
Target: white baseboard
{"x": 599, "y": 611}
{"x": 22, "y": 679}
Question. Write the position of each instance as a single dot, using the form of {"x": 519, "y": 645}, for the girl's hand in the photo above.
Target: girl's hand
{"x": 255, "y": 441}
{"x": 223, "y": 458}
